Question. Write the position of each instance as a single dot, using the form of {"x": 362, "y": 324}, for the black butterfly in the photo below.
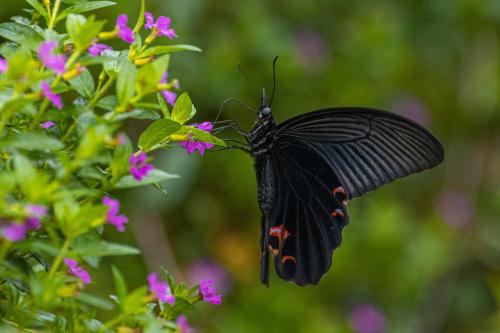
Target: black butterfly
{"x": 309, "y": 167}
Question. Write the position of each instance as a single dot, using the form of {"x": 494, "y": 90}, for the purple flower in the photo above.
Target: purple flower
{"x": 455, "y": 209}
{"x": 3, "y": 65}
{"x": 14, "y": 232}
{"x": 56, "y": 62}
{"x": 193, "y": 145}
{"x": 77, "y": 270}
{"x": 160, "y": 289}
{"x": 47, "y": 124}
{"x": 124, "y": 32}
{"x": 51, "y": 96}
{"x": 97, "y": 49}
{"x": 162, "y": 25}
{"x": 207, "y": 291}
{"x": 113, "y": 216}
{"x": 169, "y": 96}
{"x": 32, "y": 223}
{"x": 138, "y": 166}
{"x": 366, "y": 318}
{"x": 208, "y": 269}
{"x": 183, "y": 324}
{"x": 38, "y": 211}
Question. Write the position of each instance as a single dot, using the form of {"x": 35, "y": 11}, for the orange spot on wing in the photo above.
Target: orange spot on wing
{"x": 339, "y": 189}
{"x": 285, "y": 258}
{"x": 337, "y": 212}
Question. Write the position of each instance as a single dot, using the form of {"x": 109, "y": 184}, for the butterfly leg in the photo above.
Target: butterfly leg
{"x": 246, "y": 150}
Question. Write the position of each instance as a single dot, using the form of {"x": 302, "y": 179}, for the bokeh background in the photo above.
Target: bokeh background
{"x": 420, "y": 255}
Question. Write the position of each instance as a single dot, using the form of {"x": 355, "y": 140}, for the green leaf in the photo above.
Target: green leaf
{"x": 134, "y": 114}
{"x": 150, "y": 75}
{"x": 169, "y": 49}
{"x": 84, "y": 84}
{"x": 25, "y": 173}
{"x": 163, "y": 105}
{"x": 31, "y": 141}
{"x": 202, "y": 136}
{"x": 84, "y": 7}
{"x": 157, "y": 133}
{"x": 183, "y": 109}
{"x": 134, "y": 302}
{"x": 94, "y": 301}
{"x": 39, "y": 8}
{"x": 83, "y": 31}
{"x": 125, "y": 84}
{"x": 119, "y": 165}
{"x": 108, "y": 103}
{"x": 154, "y": 177}
{"x": 21, "y": 34}
{"x": 120, "y": 284}
{"x": 114, "y": 61}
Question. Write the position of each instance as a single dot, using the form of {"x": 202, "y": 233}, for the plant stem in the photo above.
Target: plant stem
{"x": 60, "y": 256}
{"x": 53, "y": 17}
{"x": 99, "y": 94}
{"x": 70, "y": 131}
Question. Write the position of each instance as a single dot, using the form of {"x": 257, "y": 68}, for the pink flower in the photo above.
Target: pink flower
{"x": 183, "y": 324}
{"x": 97, "y": 49}
{"x": 160, "y": 289}
{"x": 38, "y": 211}
{"x": 138, "y": 166}
{"x": 51, "y": 96}
{"x": 3, "y": 65}
{"x": 193, "y": 145}
{"x": 77, "y": 270}
{"x": 169, "y": 96}
{"x": 162, "y": 25}
{"x": 56, "y": 62}
{"x": 113, "y": 216}
{"x": 207, "y": 291}
{"x": 124, "y": 32}
{"x": 366, "y": 318}
{"x": 14, "y": 232}
{"x": 47, "y": 124}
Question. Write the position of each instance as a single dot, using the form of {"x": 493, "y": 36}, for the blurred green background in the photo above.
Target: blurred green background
{"x": 419, "y": 255}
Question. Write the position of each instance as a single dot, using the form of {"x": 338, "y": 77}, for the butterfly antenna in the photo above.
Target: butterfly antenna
{"x": 232, "y": 99}
{"x": 246, "y": 76}
{"x": 274, "y": 79}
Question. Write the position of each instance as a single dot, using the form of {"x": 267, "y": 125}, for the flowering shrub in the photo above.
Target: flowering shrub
{"x": 63, "y": 99}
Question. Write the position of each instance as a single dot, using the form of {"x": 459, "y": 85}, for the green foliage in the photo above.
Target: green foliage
{"x": 70, "y": 167}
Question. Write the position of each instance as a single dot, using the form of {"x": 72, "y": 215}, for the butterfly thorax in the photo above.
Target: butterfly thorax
{"x": 262, "y": 136}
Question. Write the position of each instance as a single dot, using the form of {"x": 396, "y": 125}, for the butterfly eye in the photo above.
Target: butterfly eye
{"x": 265, "y": 111}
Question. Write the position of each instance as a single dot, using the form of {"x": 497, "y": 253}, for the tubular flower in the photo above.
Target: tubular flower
{"x": 56, "y": 62}
{"x": 193, "y": 145}
{"x": 3, "y": 65}
{"x": 160, "y": 289}
{"x": 124, "y": 32}
{"x": 51, "y": 96}
{"x": 207, "y": 291}
{"x": 169, "y": 96}
{"x": 161, "y": 27}
{"x": 113, "y": 215}
{"x": 138, "y": 166}
{"x": 97, "y": 49}
{"x": 77, "y": 271}
{"x": 47, "y": 124}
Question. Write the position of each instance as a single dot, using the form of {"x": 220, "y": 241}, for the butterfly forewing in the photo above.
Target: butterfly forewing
{"x": 366, "y": 148}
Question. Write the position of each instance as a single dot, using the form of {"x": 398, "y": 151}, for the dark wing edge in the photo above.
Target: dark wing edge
{"x": 366, "y": 148}
{"x": 307, "y": 218}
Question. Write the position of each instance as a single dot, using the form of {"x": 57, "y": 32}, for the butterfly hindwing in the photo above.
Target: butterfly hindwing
{"x": 306, "y": 221}
{"x": 366, "y": 148}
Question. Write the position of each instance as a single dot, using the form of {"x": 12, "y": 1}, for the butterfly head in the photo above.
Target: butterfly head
{"x": 264, "y": 110}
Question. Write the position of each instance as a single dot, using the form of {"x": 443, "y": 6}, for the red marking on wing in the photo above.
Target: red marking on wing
{"x": 337, "y": 212}
{"x": 280, "y": 232}
{"x": 339, "y": 189}
{"x": 285, "y": 258}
